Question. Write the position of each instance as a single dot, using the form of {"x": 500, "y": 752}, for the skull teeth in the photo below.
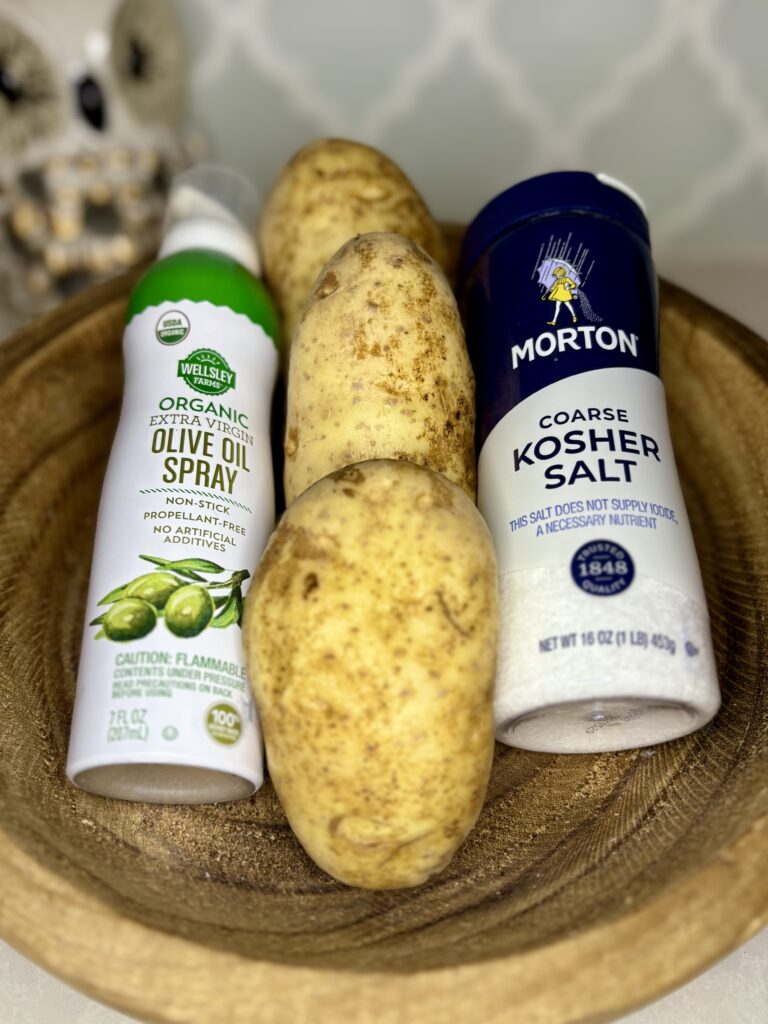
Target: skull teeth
{"x": 84, "y": 215}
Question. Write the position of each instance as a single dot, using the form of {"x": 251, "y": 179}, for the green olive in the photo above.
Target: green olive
{"x": 155, "y": 587}
{"x": 189, "y": 610}
{"x": 129, "y": 619}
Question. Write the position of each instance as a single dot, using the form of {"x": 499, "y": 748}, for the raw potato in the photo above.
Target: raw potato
{"x": 331, "y": 191}
{"x": 370, "y": 637}
{"x": 379, "y": 368}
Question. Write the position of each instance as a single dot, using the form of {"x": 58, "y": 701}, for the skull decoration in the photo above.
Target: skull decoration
{"x": 91, "y": 99}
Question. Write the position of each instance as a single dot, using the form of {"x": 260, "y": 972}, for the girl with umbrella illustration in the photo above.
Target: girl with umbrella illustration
{"x": 562, "y": 291}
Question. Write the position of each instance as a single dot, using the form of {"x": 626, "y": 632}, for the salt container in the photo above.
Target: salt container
{"x": 605, "y": 640}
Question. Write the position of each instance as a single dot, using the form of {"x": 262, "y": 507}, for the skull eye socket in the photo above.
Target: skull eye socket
{"x": 148, "y": 56}
{"x": 9, "y": 88}
{"x": 137, "y": 59}
{"x": 30, "y": 105}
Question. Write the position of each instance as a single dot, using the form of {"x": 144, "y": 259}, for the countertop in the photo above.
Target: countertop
{"x": 734, "y": 991}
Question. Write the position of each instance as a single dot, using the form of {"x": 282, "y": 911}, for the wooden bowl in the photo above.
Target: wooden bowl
{"x": 591, "y": 884}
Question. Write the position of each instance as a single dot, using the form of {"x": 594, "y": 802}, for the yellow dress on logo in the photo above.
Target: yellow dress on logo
{"x": 561, "y": 290}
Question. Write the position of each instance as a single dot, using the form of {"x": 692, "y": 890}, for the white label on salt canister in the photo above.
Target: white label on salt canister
{"x": 601, "y": 596}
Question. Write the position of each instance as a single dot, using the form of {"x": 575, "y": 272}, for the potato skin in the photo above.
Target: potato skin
{"x": 379, "y": 368}
{"x": 330, "y": 191}
{"x": 370, "y": 636}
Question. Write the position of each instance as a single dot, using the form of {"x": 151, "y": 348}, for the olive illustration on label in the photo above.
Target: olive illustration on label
{"x": 155, "y": 587}
{"x": 189, "y": 610}
{"x": 178, "y": 591}
{"x": 129, "y": 619}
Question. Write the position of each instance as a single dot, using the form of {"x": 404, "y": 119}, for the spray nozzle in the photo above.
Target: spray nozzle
{"x": 212, "y": 207}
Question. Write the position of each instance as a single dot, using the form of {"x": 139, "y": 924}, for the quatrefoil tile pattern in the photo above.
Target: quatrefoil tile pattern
{"x": 472, "y": 95}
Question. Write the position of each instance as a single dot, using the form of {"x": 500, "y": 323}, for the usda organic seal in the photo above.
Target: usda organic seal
{"x": 172, "y": 327}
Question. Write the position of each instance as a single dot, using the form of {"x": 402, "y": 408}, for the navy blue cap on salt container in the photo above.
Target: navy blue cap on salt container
{"x": 549, "y": 195}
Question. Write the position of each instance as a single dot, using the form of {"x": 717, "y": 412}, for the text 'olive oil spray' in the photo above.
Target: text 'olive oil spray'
{"x": 163, "y": 710}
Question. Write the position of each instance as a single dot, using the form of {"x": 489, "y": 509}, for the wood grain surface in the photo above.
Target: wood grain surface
{"x": 590, "y": 884}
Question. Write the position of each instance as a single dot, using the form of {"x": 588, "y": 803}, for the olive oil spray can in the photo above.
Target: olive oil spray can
{"x": 605, "y": 641}
{"x": 163, "y": 709}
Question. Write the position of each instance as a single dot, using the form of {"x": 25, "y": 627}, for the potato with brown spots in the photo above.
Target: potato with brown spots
{"x": 332, "y": 190}
{"x": 370, "y": 636}
{"x": 379, "y": 368}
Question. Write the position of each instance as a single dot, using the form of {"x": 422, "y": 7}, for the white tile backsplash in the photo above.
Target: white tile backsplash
{"x": 472, "y": 95}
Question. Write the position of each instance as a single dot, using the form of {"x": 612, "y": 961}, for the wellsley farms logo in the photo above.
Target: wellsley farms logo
{"x": 207, "y": 372}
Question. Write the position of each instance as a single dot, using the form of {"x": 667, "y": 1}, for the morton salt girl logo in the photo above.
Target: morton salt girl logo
{"x": 561, "y": 276}
{"x": 562, "y": 291}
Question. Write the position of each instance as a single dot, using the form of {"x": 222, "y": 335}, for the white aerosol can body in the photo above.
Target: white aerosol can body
{"x": 163, "y": 709}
